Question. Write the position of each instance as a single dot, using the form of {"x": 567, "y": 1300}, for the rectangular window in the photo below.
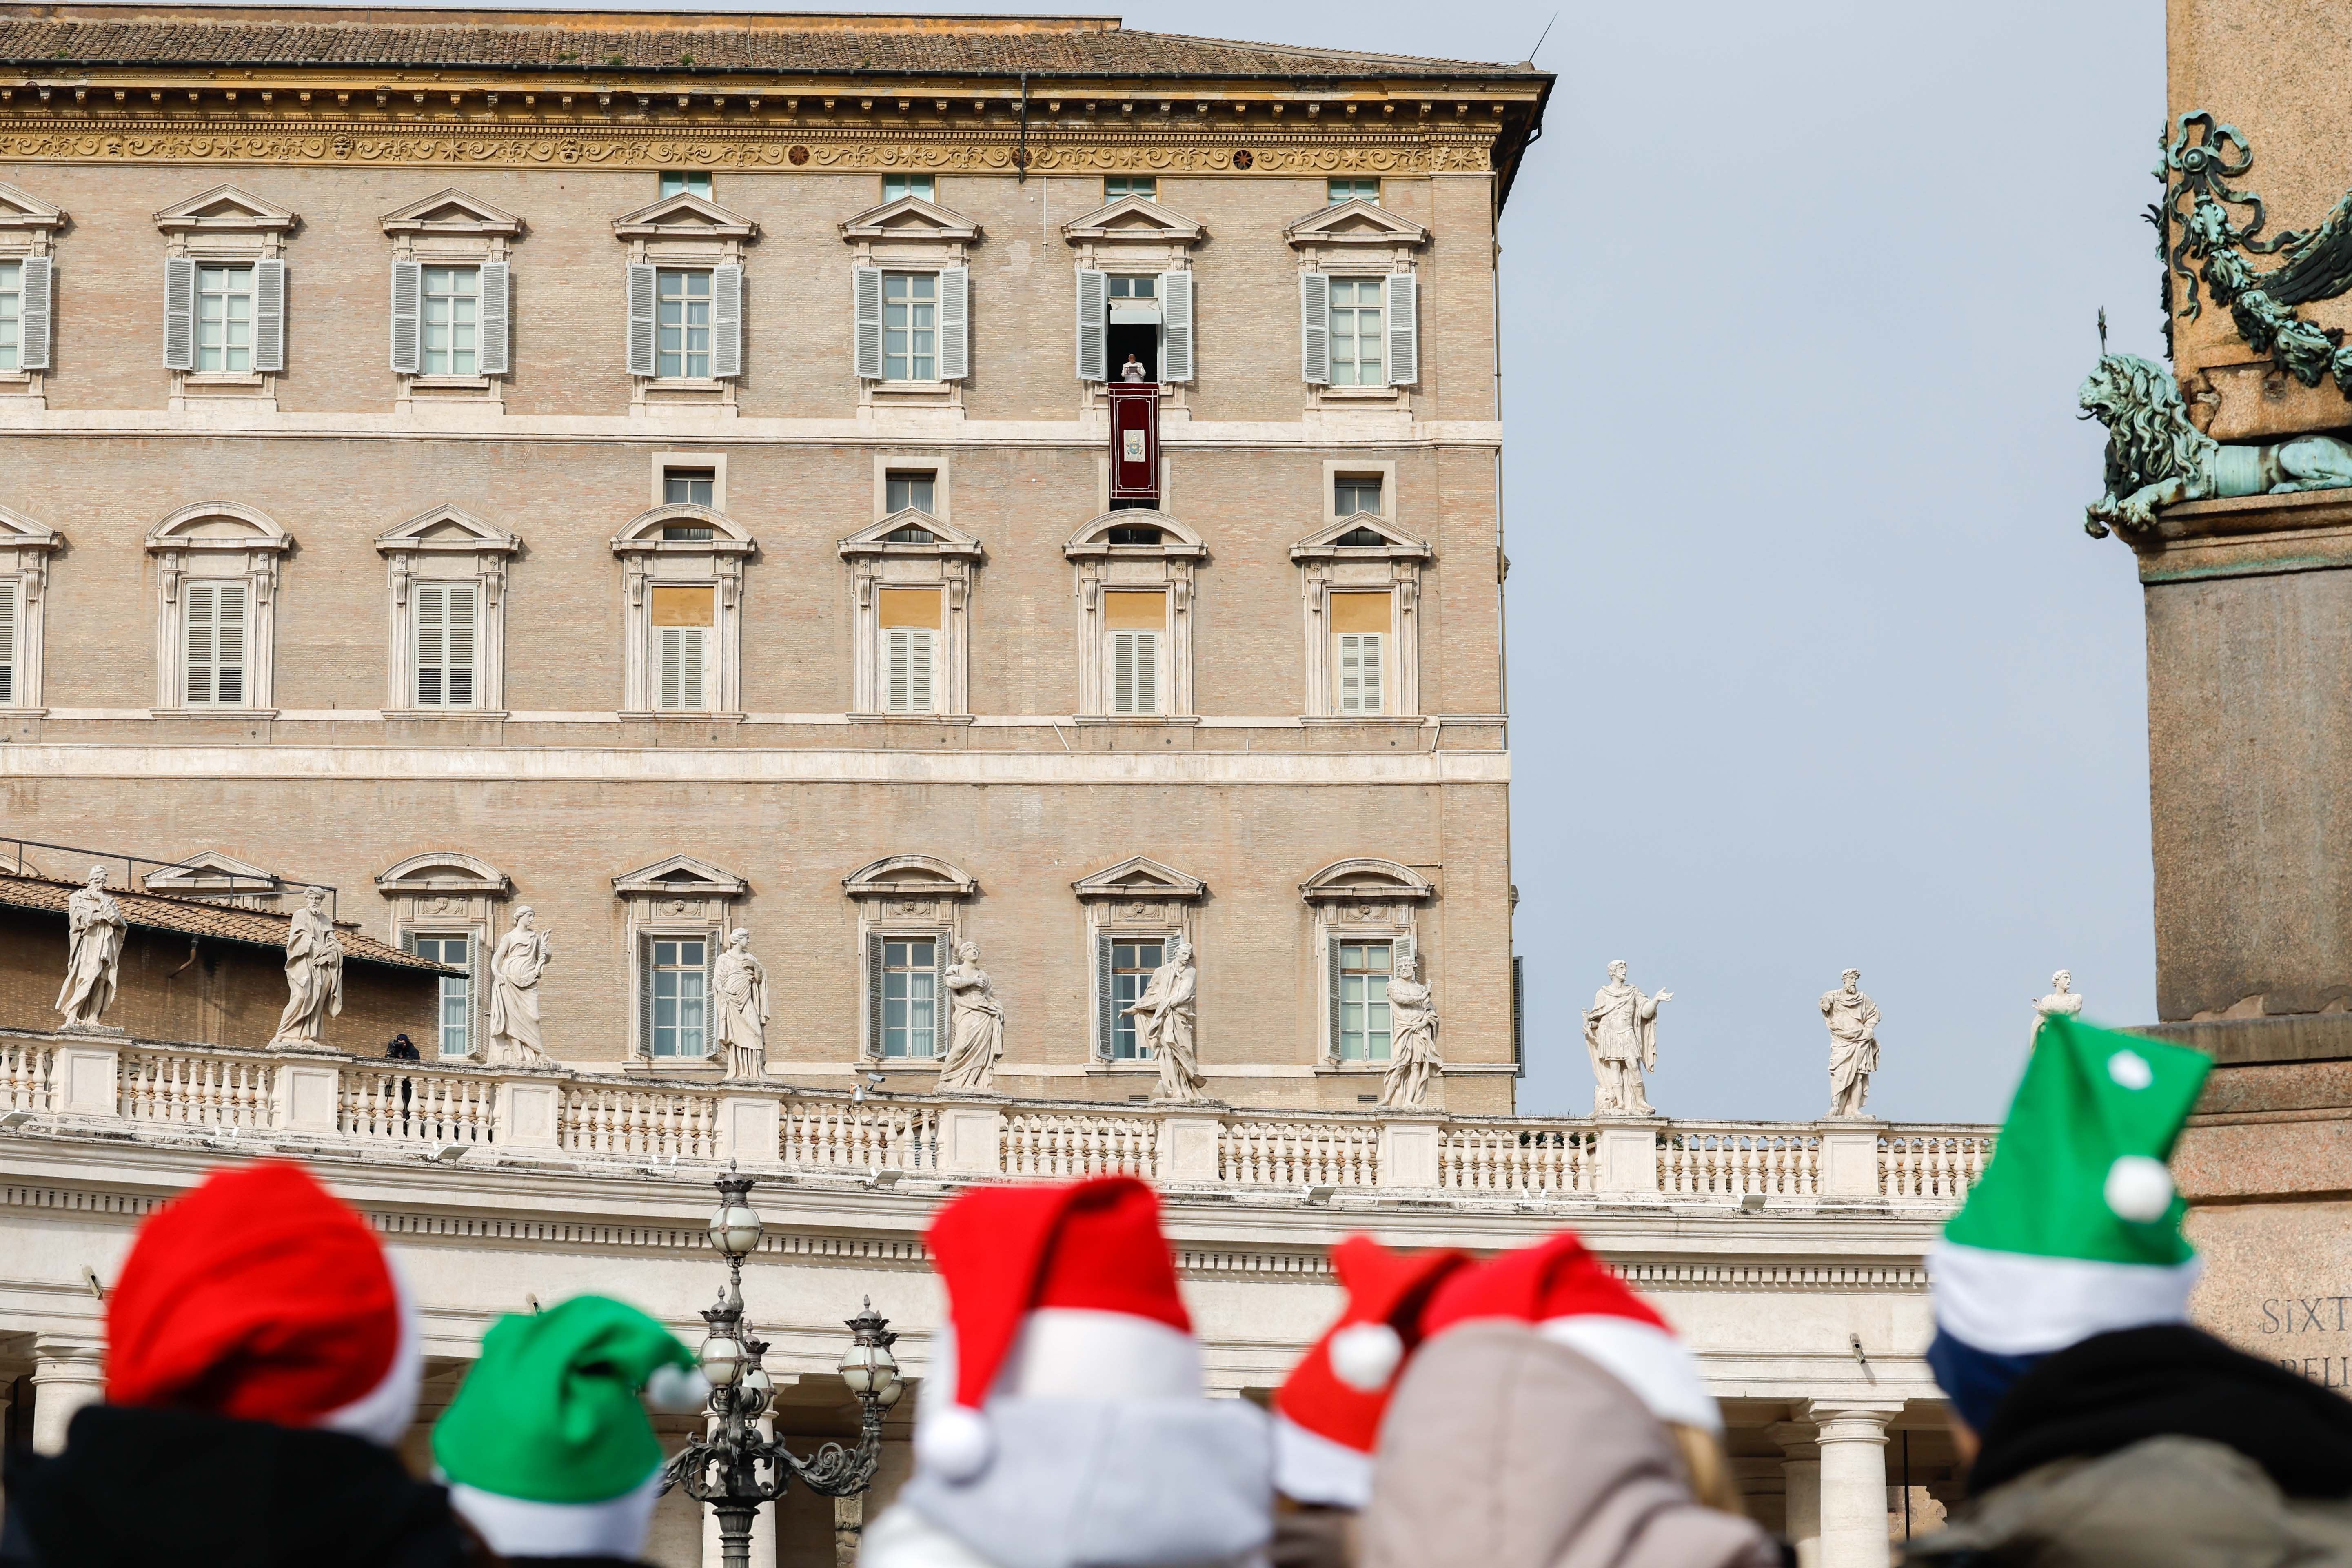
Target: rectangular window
{"x": 1132, "y": 964}
{"x": 1355, "y": 190}
{"x": 689, "y": 487}
{"x": 911, "y": 324}
{"x": 922, "y": 187}
{"x": 910, "y": 632}
{"x": 683, "y": 624}
{"x": 445, "y": 644}
{"x": 1133, "y": 625}
{"x": 1359, "y": 625}
{"x": 1352, "y": 493}
{"x": 1364, "y": 1001}
{"x": 682, "y": 323}
{"x": 917, "y": 488}
{"x": 456, "y": 990}
{"x": 909, "y": 997}
{"x": 453, "y": 301}
{"x": 12, "y": 315}
{"x": 678, "y": 975}
{"x": 685, "y": 182}
{"x": 214, "y": 644}
{"x": 225, "y": 317}
{"x": 1357, "y": 333}
{"x": 1144, "y": 185}
{"x": 8, "y": 642}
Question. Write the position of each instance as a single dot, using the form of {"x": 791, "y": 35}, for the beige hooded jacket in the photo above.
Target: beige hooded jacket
{"x": 1502, "y": 1449}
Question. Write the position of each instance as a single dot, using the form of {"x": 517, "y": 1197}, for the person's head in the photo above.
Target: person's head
{"x": 400, "y": 1039}
{"x": 1616, "y": 971}
{"x": 968, "y": 951}
{"x": 98, "y": 876}
{"x": 2060, "y": 980}
{"x": 1184, "y": 951}
{"x": 739, "y": 939}
{"x": 522, "y": 916}
{"x": 1409, "y": 966}
{"x": 316, "y": 898}
{"x": 1852, "y": 979}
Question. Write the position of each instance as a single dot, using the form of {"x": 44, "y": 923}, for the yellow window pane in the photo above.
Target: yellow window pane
{"x": 1140, "y": 610}
{"x": 1360, "y": 612}
{"x": 683, "y": 606}
{"x": 910, "y": 606}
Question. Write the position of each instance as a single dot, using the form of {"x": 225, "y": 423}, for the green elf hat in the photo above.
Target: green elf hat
{"x": 547, "y": 1449}
{"x": 2074, "y": 1228}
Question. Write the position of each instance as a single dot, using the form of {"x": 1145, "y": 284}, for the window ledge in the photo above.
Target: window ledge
{"x": 1351, "y": 1069}
{"x": 1143, "y": 1068}
{"x": 1360, "y": 394}
{"x": 908, "y": 718}
{"x": 223, "y": 377}
{"x": 1173, "y": 719}
{"x": 18, "y": 379}
{"x": 443, "y": 712}
{"x": 672, "y": 1064}
{"x": 222, "y": 712}
{"x": 449, "y": 382}
{"x": 911, "y": 388}
{"x": 1391, "y": 720}
{"x": 684, "y": 383}
{"x": 679, "y": 716}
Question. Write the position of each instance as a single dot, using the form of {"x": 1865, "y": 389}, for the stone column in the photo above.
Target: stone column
{"x": 1763, "y": 1492}
{"x": 848, "y": 1528}
{"x": 1852, "y": 1440}
{"x": 1800, "y": 1483}
{"x": 67, "y": 1375}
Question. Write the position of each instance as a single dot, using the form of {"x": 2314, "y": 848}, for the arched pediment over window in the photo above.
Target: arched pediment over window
{"x": 653, "y": 527}
{"x": 1366, "y": 880}
{"x": 218, "y": 524}
{"x": 1176, "y": 540}
{"x": 920, "y": 877}
{"x": 443, "y": 871}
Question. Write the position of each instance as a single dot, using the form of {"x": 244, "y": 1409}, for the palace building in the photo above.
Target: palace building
{"x": 663, "y": 471}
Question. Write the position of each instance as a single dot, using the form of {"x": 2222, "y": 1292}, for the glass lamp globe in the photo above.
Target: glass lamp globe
{"x": 735, "y": 1229}
{"x": 759, "y": 1386}
{"x": 859, "y": 1367}
{"x": 722, "y": 1360}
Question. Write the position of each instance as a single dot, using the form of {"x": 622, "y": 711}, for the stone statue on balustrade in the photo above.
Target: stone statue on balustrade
{"x": 2064, "y": 1001}
{"x": 314, "y": 974}
{"x": 1854, "y": 1044}
{"x": 517, "y": 963}
{"x": 95, "y": 931}
{"x": 975, "y": 1027}
{"x": 1413, "y": 1064}
{"x": 739, "y": 995}
{"x": 1621, "y": 1031}
{"x": 1163, "y": 1024}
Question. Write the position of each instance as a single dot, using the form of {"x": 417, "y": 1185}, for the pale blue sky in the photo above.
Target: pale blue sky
{"x": 1811, "y": 663}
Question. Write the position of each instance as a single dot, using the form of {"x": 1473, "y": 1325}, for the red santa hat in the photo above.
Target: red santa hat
{"x": 259, "y": 1295}
{"x": 1572, "y": 1298}
{"x": 1067, "y": 1290}
{"x": 1328, "y": 1413}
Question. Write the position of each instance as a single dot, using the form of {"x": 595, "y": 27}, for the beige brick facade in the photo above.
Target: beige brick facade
{"x": 561, "y": 789}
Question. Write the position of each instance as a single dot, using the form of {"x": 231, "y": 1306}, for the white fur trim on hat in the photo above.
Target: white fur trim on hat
{"x": 384, "y": 1413}
{"x": 1364, "y": 1356}
{"x": 1069, "y": 1353}
{"x": 517, "y": 1527}
{"x": 1646, "y": 1359}
{"x": 2016, "y": 1303}
{"x": 1310, "y": 1467}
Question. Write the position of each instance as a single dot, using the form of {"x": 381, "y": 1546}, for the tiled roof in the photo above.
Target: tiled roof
{"x": 47, "y": 37}
{"x": 196, "y": 917}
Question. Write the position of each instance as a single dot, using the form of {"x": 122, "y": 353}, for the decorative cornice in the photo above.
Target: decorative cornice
{"x": 50, "y": 137}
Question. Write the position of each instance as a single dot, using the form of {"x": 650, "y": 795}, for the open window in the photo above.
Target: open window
{"x": 684, "y": 299}
{"x": 451, "y": 297}
{"x": 224, "y": 295}
{"x": 1135, "y": 292}
{"x": 910, "y": 301}
{"x": 1358, "y": 301}
{"x": 29, "y": 230}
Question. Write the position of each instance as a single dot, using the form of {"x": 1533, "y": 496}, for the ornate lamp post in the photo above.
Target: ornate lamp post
{"x": 735, "y": 1467}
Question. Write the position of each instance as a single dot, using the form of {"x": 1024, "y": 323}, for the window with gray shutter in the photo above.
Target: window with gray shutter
{"x": 444, "y": 644}
{"x": 1315, "y": 328}
{"x": 1519, "y": 1015}
{"x": 407, "y": 309}
{"x": 179, "y": 313}
{"x": 874, "y": 997}
{"x": 1093, "y": 331}
{"x": 269, "y": 315}
{"x": 1404, "y": 330}
{"x": 1332, "y": 989}
{"x": 726, "y": 320}
{"x": 8, "y": 641}
{"x": 955, "y": 322}
{"x": 866, "y": 309}
{"x": 497, "y": 316}
{"x": 641, "y": 319}
{"x": 214, "y": 631}
{"x": 38, "y": 281}
{"x": 1106, "y": 999}
{"x": 1176, "y": 326}
{"x": 644, "y": 997}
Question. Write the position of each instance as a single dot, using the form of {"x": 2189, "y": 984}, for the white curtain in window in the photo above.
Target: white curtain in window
{"x": 444, "y": 644}
{"x": 678, "y": 657}
{"x": 1134, "y": 672}
{"x": 216, "y": 643}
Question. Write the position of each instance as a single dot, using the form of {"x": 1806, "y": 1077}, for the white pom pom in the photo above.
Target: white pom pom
{"x": 2130, "y": 1070}
{"x": 1364, "y": 1356}
{"x": 955, "y": 1441}
{"x": 2139, "y": 1188}
{"x": 677, "y": 1389}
